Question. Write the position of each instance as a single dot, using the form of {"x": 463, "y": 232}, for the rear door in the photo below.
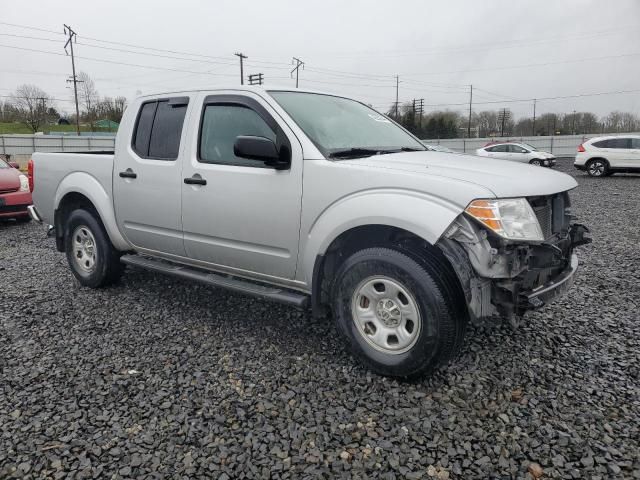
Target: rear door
{"x": 620, "y": 151}
{"x": 518, "y": 153}
{"x": 147, "y": 179}
{"x": 499, "y": 151}
{"x": 246, "y": 218}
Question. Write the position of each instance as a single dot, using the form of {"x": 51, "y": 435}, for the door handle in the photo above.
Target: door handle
{"x": 195, "y": 180}
{"x": 128, "y": 173}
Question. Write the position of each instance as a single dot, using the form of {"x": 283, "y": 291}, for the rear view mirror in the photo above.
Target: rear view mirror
{"x": 260, "y": 148}
{"x": 14, "y": 165}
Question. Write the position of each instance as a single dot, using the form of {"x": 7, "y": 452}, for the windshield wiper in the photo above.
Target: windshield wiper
{"x": 366, "y": 152}
{"x": 354, "y": 152}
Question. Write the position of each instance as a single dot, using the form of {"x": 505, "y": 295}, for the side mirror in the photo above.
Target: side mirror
{"x": 14, "y": 165}
{"x": 262, "y": 149}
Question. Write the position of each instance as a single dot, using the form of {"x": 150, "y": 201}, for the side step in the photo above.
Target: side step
{"x": 276, "y": 294}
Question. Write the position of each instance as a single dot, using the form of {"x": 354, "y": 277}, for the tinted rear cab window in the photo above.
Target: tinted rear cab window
{"x": 158, "y": 129}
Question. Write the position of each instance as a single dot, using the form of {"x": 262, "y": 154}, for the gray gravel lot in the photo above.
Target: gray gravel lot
{"x": 158, "y": 378}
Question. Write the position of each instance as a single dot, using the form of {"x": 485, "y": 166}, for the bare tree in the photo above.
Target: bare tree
{"x": 30, "y": 104}
{"x": 88, "y": 97}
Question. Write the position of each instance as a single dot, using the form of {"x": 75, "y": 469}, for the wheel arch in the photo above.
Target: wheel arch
{"x": 81, "y": 190}
{"x": 367, "y": 236}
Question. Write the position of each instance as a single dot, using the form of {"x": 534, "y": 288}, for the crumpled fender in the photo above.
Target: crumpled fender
{"x": 421, "y": 214}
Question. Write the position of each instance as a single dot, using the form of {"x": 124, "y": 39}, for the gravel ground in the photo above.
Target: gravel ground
{"x": 158, "y": 378}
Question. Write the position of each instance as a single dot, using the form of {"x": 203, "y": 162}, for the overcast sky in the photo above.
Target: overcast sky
{"x": 506, "y": 49}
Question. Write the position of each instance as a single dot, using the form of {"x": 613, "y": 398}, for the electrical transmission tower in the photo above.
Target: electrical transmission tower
{"x": 503, "y": 117}
{"x": 74, "y": 79}
{"x": 256, "y": 79}
{"x": 298, "y": 63}
{"x": 242, "y": 57}
{"x": 418, "y": 110}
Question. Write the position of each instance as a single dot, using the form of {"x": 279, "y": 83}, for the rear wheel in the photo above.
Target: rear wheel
{"x": 598, "y": 167}
{"x": 396, "y": 314}
{"x": 92, "y": 258}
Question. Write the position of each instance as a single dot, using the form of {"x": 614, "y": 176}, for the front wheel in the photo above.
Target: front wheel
{"x": 91, "y": 256}
{"x": 536, "y": 162}
{"x": 396, "y": 315}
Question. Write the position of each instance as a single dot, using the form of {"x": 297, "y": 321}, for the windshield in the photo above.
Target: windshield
{"x": 3, "y": 164}
{"x": 533, "y": 149}
{"x": 337, "y": 125}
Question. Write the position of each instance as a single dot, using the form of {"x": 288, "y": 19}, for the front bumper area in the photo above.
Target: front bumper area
{"x": 14, "y": 204}
{"x": 543, "y": 294}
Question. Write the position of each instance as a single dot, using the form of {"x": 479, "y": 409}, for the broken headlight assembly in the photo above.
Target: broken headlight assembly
{"x": 511, "y": 218}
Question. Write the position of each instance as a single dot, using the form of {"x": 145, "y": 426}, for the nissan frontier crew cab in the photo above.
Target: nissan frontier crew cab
{"x": 320, "y": 202}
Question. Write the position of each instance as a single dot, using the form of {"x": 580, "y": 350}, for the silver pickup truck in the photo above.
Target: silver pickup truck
{"x": 320, "y": 202}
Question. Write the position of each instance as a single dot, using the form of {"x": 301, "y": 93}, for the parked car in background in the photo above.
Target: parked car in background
{"x": 517, "y": 152}
{"x": 15, "y": 194}
{"x": 603, "y": 156}
{"x": 315, "y": 200}
{"x": 439, "y": 148}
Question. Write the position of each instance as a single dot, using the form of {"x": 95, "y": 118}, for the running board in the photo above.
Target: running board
{"x": 299, "y": 300}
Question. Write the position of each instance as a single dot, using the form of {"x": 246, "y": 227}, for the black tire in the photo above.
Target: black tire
{"x": 107, "y": 268}
{"x": 442, "y": 322}
{"x": 597, "y": 167}
{"x": 25, "y": 219}
{"x": 536, "y": 162}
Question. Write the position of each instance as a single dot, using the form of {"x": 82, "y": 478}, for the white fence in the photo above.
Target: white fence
{"x": 561, "y": 146}
{"x": 18, "y": 145}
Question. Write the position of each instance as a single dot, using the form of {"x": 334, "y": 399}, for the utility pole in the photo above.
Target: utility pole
{"x": 241, "y": 56}
{"x": 470, "y": 102}
{"x": 72, "y": 39}
{"x": 256, "y": 79}
{"x": 397, "y": 85}
{"x": 298, "y": 63}
{"x": 533, "y": 127}
{"x": 573, "y": 124}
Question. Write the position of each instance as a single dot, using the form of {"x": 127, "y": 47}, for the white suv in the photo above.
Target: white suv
{"x": 603, "y": 156}
{"x": 517, "y": 152}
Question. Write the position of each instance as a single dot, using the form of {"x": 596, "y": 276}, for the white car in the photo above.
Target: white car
{"x": 603, "y": 156}
{"x": 517, "y": 152}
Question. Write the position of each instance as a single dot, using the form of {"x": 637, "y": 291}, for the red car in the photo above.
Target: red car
{"x": 15, "y": 193}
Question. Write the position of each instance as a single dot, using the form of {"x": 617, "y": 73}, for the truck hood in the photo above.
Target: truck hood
{"x": 502, "y": 177}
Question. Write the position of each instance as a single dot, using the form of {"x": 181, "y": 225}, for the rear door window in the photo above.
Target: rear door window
{"x": 159, "y": 127}
{"x": 499, "y": 148}
{"x": 620, "y": 143}
{"x": 635, "y": 143}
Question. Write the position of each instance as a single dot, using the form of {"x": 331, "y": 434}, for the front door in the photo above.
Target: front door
{"x": 240, "y": 214}
{"x": 147, "y": 180}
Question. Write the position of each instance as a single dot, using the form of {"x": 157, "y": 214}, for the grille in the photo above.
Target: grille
{"x": 545, "y": 217}
{"x": 552, "y": 213}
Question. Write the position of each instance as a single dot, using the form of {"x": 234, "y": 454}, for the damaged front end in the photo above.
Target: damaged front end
{"x": 504, "y": 277}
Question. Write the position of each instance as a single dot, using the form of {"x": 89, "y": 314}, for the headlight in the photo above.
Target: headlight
{"x": 511, "y": 218}
{"x": 24, "y": 183}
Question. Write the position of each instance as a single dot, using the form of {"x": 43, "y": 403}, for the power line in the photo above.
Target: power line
{"x": 528, "y": 65}
{"x": 115, "y": 62}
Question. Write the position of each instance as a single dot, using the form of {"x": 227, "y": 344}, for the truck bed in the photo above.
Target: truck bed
{"x": 53, "y": 170}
